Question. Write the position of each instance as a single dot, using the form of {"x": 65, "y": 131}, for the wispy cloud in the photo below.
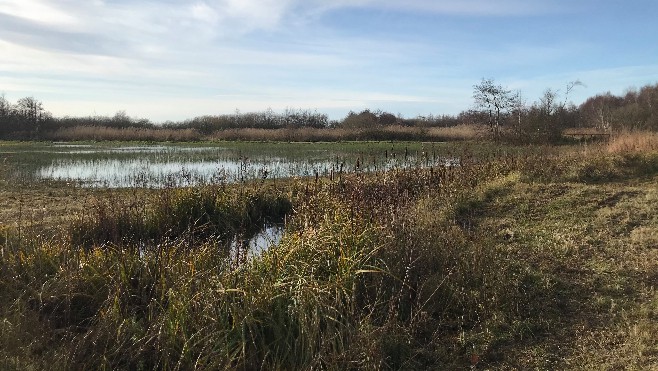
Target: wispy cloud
{"x": 486, "y": 7}
{"x": 448, "y": 7}
{"x": 43, "y": 12}
{"x": 218, "y": 55}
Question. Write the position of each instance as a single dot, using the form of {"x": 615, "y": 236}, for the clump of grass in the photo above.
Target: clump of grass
{"x": 176, "y": 307}
{"x": 461, "y": 132}
{"x": 213, "y": 211}
{"x": 449, "y": 278}
{"x": 606, "y": 167}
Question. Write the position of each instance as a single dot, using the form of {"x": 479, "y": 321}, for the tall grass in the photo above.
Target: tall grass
{"x": 374, "y": 271}
{"x": 396, "y": 133}
{"x": 189, "y": 214}
{"x": 633, "y": 141}
{"x": 304, "y": 134}
{"x": 364, "y": 268}
{"x": 101, "y": 133}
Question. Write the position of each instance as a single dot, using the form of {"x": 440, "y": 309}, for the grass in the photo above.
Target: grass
{"x": 138, "y": 164}
{"x": 629, "y": 142}
{"x": 186, "y": 214}
{"x": 389, "y": 133}
{"x": 520, "y": 258}
{"x": 308, "y": 134}
{"x": 105, "y": 133}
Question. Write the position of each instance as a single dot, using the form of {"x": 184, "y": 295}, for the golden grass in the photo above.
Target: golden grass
{"x": 480, "y": 266}
{"x": 396, "y": 132}
{"x": 584, "y": 131}
{"x": 460, "y": 132}
{"x": 281, "y": 135}
{"x": 633, "y": 141}
{"x": 99, "y": 133}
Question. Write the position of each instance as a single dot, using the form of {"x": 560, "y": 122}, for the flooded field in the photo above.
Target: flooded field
{"x": 43, "y": 168}
{"x": 123, "y": 165}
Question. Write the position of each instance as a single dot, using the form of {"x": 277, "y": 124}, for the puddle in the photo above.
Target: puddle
{"x": 240, "y": 248}
{"x": 247, "y": 248}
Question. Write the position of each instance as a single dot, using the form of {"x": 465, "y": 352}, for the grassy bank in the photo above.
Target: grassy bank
{"x": 517, "y": 259}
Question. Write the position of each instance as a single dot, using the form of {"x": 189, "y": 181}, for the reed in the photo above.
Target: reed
{"x": 389, "y": 133}
{"x": 107, "y": 133}
{"x": 633, "y": 141}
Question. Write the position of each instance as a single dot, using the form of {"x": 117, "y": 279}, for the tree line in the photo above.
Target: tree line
{"x": 509, "y": 116}
{"x": 26, "y": 118}
{"x": 505, "y": 112}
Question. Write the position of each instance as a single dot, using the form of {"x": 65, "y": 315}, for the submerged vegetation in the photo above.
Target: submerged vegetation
{"x": 517, "y": 258}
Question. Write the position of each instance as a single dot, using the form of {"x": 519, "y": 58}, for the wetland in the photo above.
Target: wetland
{"x": 348, "y": 255}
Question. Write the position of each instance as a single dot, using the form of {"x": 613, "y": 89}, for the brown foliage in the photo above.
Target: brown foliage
{"x": 130, "y": 133}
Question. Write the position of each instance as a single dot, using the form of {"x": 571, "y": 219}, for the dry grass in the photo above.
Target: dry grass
{"x": 402, "y": 133}
{"x": 281, "y": 135}
{"x": 584, "y": 131}
{"x": 633, "y": 141}
{"x": 454, "y": 133}
{"x": 459, "y": 132}
{"x": 593, "y": 249}
{"x": 479, "y": 266}
{"x": 99, "y": 133}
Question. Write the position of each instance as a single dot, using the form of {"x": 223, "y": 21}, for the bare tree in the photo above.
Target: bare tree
{"x": 570, "y": 86}
{"x": 6, "y": 116}
{"x": 519, "y": 110}
{"x": 547, "y": 102}
{"x": 31, "y": 113}
{"x": 495, "y": 100}
{"x": 5, "y": 107}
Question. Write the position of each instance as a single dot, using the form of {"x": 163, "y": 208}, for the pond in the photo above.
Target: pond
{"x": 120, "y": 165}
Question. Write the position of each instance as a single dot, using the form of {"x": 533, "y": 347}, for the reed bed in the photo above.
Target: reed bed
{"x": 633, "y": 141}
{"x": 107, "y": 133}
{"x": 391, "y": 133}
{"x": 306, "y": 134}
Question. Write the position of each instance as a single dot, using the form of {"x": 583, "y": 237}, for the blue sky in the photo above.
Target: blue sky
{"x": 176, "y": 59}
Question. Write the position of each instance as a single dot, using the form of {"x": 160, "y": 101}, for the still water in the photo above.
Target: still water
{"x": 158, "y": 166}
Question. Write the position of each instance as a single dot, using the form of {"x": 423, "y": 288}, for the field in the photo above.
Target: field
{"x": 468, "y": 255}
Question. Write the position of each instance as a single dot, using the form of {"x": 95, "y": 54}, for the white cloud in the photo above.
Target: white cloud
{"x": 256, "y": 13}
{"x": 182, "y": 58}
{"x": 477, "y": 7}
{"x": 204, "y": 13}
{"x": 38, "y": 11}
{"x": 149, "y": 28}
{"x": 450, "y": 7}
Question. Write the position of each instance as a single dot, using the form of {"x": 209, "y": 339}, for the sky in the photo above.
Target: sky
{"x": 178, "y": 59}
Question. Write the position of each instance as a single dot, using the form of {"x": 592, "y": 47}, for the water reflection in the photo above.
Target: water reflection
{"x": 243, "y": 248}
{"x": 115, "y": 173}
{"x": 161, "y": 166}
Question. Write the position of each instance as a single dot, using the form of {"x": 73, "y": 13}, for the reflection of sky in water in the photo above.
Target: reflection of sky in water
{"x": 89, "y": 149}
{"x": 115, "y": 173}
{"x": 164, "y": 170}
{"x": 269, "y": 236}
